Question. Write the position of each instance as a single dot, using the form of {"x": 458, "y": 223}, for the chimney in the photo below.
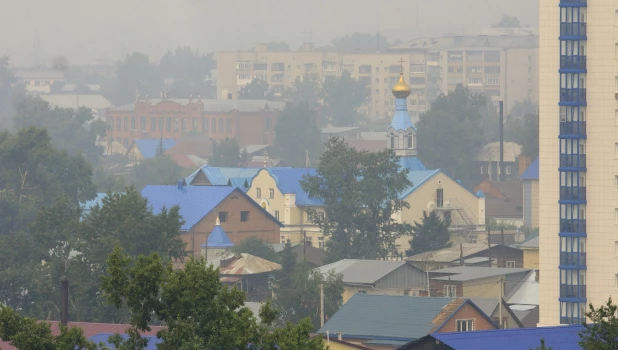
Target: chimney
{"x": 180, "y": 184}
{"x": 339, "y": 335}
{"x": 64, "y": 295}
{"x": 461, "y": 257}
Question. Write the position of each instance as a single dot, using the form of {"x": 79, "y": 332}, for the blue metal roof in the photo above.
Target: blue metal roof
{"x": 240, "y": 182}
{"x": 218, "y": 239}
{"x": 219, "y": 176}
{"x": 195, "y": 202}
{"x": 148, "y": 147}
{"x": 88, "y": 205}
{"x": 559, "y": 337}
{"x": 417, "y": 178}
{"x": 532, "y": 173}
{"x": 103, "y": 338}
{"x": 389, "y": 317}
{"x": 480, "y": 194}
{"x": 401, "y": 118}
{"x": 411, "y": 163}
{"x": 288, "y": 181}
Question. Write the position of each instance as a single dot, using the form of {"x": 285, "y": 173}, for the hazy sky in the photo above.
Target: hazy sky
{"x": 84, "y": 30}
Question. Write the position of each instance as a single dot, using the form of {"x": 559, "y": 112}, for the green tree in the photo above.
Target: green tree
{"x": 525, "y": 132}
{"x": 522, "y": 108}
{"x": 431, "y": 234}
{"x": 135, "y": 75}
{"x": 226, "y": 153}
{"x": 542, "y": 346}
{"x": 189, "y": 70}
{"x": 10, "y": 93}
{"x": 278, "y": 46}
{"x": 601, "y": 333}
{"x": 257, "y": 89}
{"x": 507, "y": 22}
{"x": 29, "y": 334}
{"x": 257, "y": 247}
{"x": 305, "y": 90}
{"x": 342, "y": 96}
{"x": 361, "y": 42}
{"x": 199, "y": 312}
{"x": 451, "y": 133}
{"x": 296, "y": 134}
{"x": 75, "y": 131}
{"x": 361, "y": 194}
{"x": 159, "y": 170}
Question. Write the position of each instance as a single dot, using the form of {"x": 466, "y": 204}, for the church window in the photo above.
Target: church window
{"x": 204, "y": 124}
{"x": 439, "y": 198}
{"x": 258, "y": 192}
{"x": 392, "y": 141}
{"x": 410, "y": 141}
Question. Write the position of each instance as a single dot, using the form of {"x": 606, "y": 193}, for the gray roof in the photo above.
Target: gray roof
{"x": 479, "y": 42}
{"x": 217, "y": 105}
{"x": 531, "y": 243}
{"x": 338, "y": 129}
{"x": 373, "y": 135}
{"x": 470, "y": 273}
{"x": 76, "y": 100}
{"x": 388, "y": 316}
{"x": 449, "y": 254}
{"x": 487, "y": 305}
{"x": 361, "y": 271}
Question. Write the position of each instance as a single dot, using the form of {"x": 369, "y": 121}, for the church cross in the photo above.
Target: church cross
{"x": 401, "y": 62}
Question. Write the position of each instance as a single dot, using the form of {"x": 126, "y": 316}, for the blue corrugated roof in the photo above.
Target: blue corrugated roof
{"x": 195, "y": 202}
{"x": 218, "y": 239}
{"x": 219, "y": 176}
{"x": 532, "y": 173}
{"x": 148, "y": 147}
{"x": 411, "y": 163}
{"x": 559, "y": 337}
{"x": 391, "y": 317}
{"x": 401, "y": 118}
{"x": 288, "y": 181}
{"x": 240, "y": 182}
{"x": 480, "y": 194}
{"x": 103, "y": 338}
{"x": 88, "y": 205}
{"x": 417, "y": 178}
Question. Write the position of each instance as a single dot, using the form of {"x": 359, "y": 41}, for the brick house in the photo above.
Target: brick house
{"x": 200, "y": 206}
{"x": 248, "y": 121}
{"x": 388, "y": 321}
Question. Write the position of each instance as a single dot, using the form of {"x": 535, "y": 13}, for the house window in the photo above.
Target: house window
{"x": 223, "y": 216}
{"x": 277, "y": 214}
{"x": 321, "y": 242}
{"x": 508, "y": 170}
{"x": 449, "y": 290}
{"x": 119, "y": 123}
{"x": 510, "y": 264}
{"x": 465, "y": 325}
{"x": 505, "y": 322}
{"x": 439, "y": 198}
{"x": 204, "y": 124}
{"x": 271, "y": 193}
{"x": 258, "y": 193}
{"x": 244, "y": 216}
{"x": 153, "y": 124}
{"x": 228, "y": 125}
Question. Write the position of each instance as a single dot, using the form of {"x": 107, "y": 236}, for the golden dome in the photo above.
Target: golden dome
{"x": 401, "y": 89}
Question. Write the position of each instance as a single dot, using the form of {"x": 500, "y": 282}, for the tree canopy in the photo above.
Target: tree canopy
{"x": 10, "y": 93}
{"x": 361, "y": 193}
{"x": 361, "y": 42}
{"x": 451, "y": 133}
{"x": 507, "y": 22}
{"x": 297, "y": 133}
{"x": 257, "y": 247}
{"x": 430, "y": 234}
{"x": 602, "y": 331}
{"x": 226, "y": 153}
{"x": 342, "y": 97}
{"x": 257, "y": 89}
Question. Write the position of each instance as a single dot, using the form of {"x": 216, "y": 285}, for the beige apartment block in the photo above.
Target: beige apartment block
{"x": 503, "y": 67}
{"x": 578, "y": 178}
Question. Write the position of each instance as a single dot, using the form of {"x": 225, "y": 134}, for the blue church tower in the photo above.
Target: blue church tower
{"x": 401, "y": 134}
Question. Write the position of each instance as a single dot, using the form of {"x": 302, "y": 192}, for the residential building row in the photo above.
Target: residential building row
{"x": 504, "y": 67}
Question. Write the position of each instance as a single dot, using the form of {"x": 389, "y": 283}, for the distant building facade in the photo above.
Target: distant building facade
{"x": 248, "y": 121}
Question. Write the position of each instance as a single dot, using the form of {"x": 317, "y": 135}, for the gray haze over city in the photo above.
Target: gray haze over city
{"x": 85, "y": 31}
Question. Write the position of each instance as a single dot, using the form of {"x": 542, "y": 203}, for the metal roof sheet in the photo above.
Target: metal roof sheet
{"x": 214, "y": 106}
{"x": 417, "y": 178}
{"x": 148, "y": 147}
{"x": 469, "y": 273}
{"x": 217, "y": 239}
{"x": 411, "y": 163}
{"x": 288, "y": 181}
{"x": 532, "y": 172}
{"x": 401, "y": 118}
{"x": 361, "y": 271}
{"x": 76, "y": 101}
{"x": 219, "y": 176}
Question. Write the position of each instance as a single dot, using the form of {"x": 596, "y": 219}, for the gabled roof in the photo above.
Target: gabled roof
{"x": 471, "y": 273}
{"x": 489, "y": 305}
{"x": 559, "y": 337}
{"x": 532, "y": 243}
{"x": 411, "y": 163}
{"x": 148, "y": 147}
{"x": 357, "y": 271}
{"x": 532, "y": 173}
{"x": 219, "y": 176}
{"x": 245, "y": 264}
{"x": 449, "y": 254}
{"x": 195, "y": 202}
{"x": 417, "y": 178}
{"x": 288, "y": 182}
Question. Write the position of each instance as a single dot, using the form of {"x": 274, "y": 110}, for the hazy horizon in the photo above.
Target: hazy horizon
{"x": 84, "y": 31}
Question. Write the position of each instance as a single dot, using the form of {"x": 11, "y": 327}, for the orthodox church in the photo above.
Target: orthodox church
{"x": 430, "y": 189}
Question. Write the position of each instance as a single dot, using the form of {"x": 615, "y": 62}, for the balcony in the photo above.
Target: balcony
{"x": 572, "y": 226}
{"x": 572, "y": 291}
{"x": 576, "y": 29}
{"x": 573, "y": 3}
{"x": 572, "y": 259}
{"x": 573, "y": 62}
{"x": 573, "y": 95}
{"x": 568, "y": 193}
{"x": 573, "y": 128}
{"x": 572, "y": 320}
{"x": 573, "y": 161}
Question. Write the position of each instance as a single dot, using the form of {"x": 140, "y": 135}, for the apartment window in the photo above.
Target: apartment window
{"x": 449, "y": 290}
{"x": 153, "y": 124}
{"x": 223, "y": 216}
{"x": 176, "y": 124}
{"x": 465, "y": 325}
{"x": 204, "y": 124}
{"x": 510, "y": 264}
{"x": 492, "y": 81}
{"x": 243, "y": 77}
{"x": 243, "y": 65}
{"x": 616, "y": 180}
{"x": 214, "y": 124}
{"x": 260, "y": 66}
{"x": 474, "y": 81}
{"x": 126, "y": 123}
{"x": 271, "y": 193}
{"x": 228, "y": 125}
{"x": 244, "y": 216}
{"x": 277, "y": 214}
{"x": 194, "y": 124}
{"x": 220, "y": 124}
{"x": 616, "y": 84}
{"x": 277, "y": 67}
{"x": 133, "y": 123}
{"x": 142, "y": 123}
{"x": 616, "y": 150}
{"x": 258, "y": 193}
{"x": 508, "y": 170}
{"x": 492, "y": 70}
{"x": 439, "y": 197}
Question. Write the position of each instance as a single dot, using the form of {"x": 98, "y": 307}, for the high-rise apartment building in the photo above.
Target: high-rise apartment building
{"x": 578, "y": 206}
{"x": 504, "y": 67}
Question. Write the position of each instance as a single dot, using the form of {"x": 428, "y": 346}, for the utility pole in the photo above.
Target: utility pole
{"x": 64, "y": 296}
{"x": 500, "y": 301}
{"x": 321, "y": 305}
{"x": 501, "y": 165}
{"x": 502, "y": 239}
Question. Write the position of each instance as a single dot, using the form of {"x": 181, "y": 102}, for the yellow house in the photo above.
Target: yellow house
{"x": 278, "y": 191}
{"x": 531, "y": 253}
